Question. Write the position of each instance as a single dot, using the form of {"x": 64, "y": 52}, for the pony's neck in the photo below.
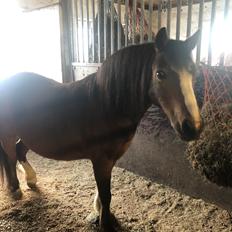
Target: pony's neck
{"x": 123, "y": 81}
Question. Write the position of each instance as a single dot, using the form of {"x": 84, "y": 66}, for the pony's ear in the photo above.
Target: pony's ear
{"x": 161, "y": 38}
{"x": 192, "y": 41}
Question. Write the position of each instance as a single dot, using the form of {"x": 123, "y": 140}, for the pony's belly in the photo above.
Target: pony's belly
{"x": 59, "y": 151}
{"x": 113, "y": 149}
{"x": 64, "y": 156}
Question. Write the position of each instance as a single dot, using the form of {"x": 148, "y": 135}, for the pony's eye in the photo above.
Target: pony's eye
{"x": 161, "y": 75}
{"x": 192, "y": 68}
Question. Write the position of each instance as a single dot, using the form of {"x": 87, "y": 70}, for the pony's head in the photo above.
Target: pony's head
{"x": 172, "y": 84}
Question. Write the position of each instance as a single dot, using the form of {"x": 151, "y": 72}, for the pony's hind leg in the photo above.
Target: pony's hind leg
{"x": 30, "y": 174}
{"x": 9, "y": 151}
{"x": 5, "y": 169}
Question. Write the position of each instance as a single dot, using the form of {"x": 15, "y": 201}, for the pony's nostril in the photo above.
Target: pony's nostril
{"x": 188, "y": 127}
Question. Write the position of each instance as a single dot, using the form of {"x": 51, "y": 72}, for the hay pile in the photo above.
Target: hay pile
{"x": 211, "y": 155}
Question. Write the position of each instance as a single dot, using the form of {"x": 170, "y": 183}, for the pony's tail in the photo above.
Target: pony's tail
{"x": 5, "y": 169}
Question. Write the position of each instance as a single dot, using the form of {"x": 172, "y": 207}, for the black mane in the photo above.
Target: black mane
{"x": 124, "y": 80}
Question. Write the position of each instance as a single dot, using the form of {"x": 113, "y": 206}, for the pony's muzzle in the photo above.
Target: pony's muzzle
{"x": 190, "y": 130}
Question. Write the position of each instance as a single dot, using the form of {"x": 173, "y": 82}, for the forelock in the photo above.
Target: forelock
{"x": 176, "y": 54}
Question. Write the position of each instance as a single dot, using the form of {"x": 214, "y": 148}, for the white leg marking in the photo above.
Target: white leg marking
{"x": 30, "y": 174}
{"x": 20, "y": 168}
{"x": 97, "y": 203}
{"x": 94, "y": 216}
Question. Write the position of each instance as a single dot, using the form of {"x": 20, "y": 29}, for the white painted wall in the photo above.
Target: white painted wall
{"x": 30, "y": 41}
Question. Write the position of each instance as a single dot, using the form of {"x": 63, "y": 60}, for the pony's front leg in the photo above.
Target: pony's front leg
{"x": 102, "y": 172}
{"x": 25, "y": 167}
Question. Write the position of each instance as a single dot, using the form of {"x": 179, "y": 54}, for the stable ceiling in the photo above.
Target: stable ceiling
{"x": 35, "y": 4}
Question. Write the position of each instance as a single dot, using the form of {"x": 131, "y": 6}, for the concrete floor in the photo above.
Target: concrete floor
{"x": 160, "y": 156}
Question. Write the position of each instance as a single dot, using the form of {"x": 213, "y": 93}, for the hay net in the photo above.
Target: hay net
{"x": 217, "y": 105}
{"x": 211, "y": 155}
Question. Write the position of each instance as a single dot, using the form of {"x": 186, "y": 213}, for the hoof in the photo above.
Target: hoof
{"x": 16, "y": 194}
{"x": 93, "y": 218}
{"x": 31, "y": 183}
{"x": 110, "y": 225}
{"x": 108, "y": 228}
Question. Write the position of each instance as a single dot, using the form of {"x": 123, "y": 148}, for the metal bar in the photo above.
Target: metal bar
{"x": 134, "y": 19}
{"x": 87, "y": 16}
{"x": 178, "y": 17}
{"x": 72, "y": 29}
{"x": 142, "y": 22}
{"x": 159, "y": 14}
{"x": 119, "y": 25}
{"x": 99, "y": 31}
{"x": 213, "y": 15}
{"x": 66, "y": 43}
{"x": 82, "y": 30}
{"x": 105, "y": 28}
{"x": 226, "y": 11}
{"x": 189, "y": 20}
{"x": 150, "y": 20}
{"x": 200, "y": 24}
{"x": 77, "y": 34}
{"x": 112, "y": 26}
{"x": 226, "y": 8}
{"x": 126, "y": 21}
{"x": 169, "y": 11}
{"x": 93, "y": 22}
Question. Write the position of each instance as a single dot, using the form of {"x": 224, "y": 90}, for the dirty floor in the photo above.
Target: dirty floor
{"x": 66, "y": 191}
